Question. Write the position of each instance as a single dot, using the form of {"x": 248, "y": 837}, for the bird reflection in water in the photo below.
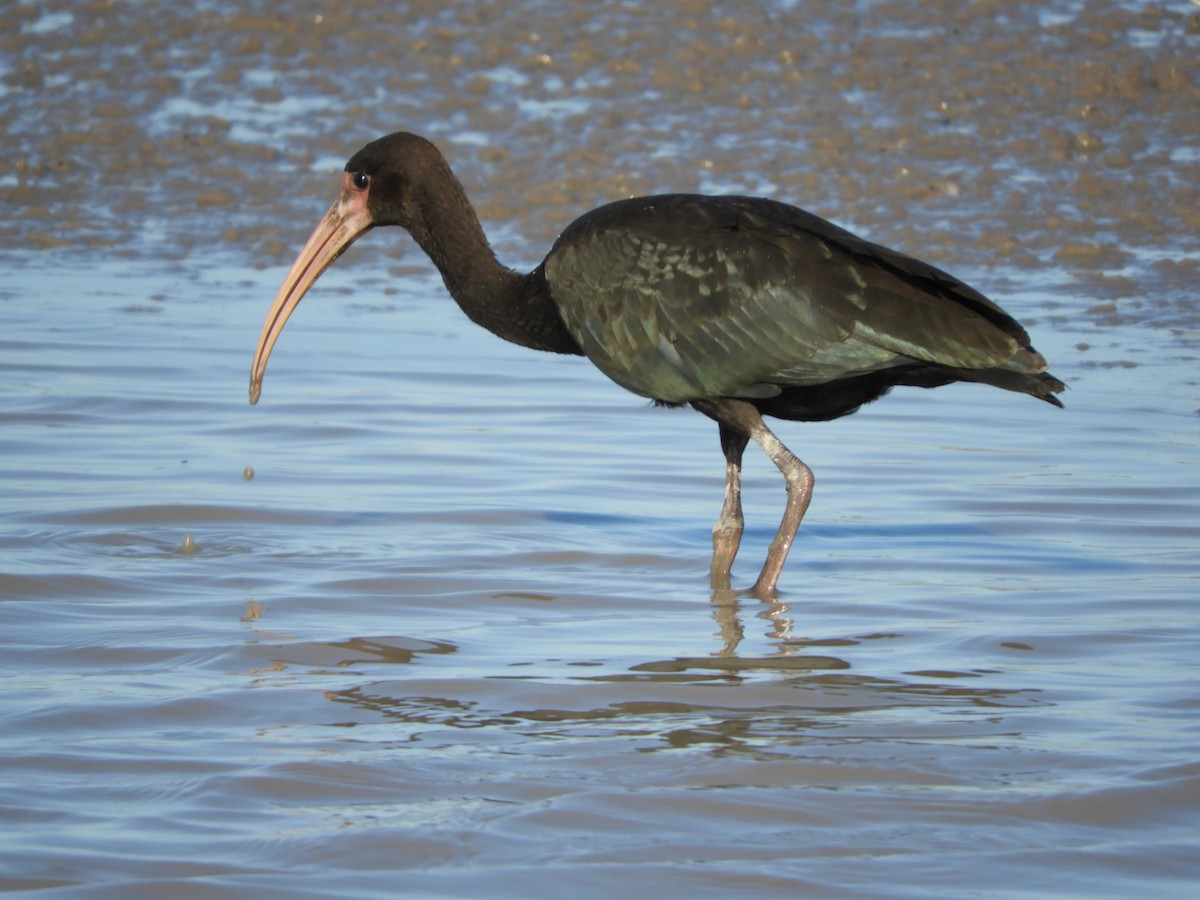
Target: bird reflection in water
{"x": 727, "y": 613}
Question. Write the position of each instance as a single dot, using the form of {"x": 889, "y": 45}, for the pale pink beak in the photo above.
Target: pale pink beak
{"x": 346, "y": 220}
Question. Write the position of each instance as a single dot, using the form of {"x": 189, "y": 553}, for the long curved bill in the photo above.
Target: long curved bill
{"x": 342, "y": 225}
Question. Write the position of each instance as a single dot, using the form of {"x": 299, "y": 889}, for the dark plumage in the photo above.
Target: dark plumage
{"x": 737, "y": 306}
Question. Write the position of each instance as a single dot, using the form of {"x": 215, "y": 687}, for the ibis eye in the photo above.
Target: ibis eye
{"x": 361, "y": 180}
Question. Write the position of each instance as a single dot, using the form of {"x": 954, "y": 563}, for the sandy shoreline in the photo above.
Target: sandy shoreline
{"x": 977, "y": 137}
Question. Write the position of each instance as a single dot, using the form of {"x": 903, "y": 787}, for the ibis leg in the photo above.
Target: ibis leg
{"x": 741, "y": 422}
{"x": 799, "y": 478}
{"x": 727, "y": 533}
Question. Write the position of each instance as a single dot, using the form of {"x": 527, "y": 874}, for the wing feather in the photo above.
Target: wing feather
{"x": 682, "y": 297}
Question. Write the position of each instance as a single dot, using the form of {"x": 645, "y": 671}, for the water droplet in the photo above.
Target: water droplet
{"x": 188, "y": 545}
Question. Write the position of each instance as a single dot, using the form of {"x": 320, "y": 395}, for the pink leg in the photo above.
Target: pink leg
{"x": 799, "y": 478}
{"x": 727, "y": 533}
{"x": 740, "y": 422}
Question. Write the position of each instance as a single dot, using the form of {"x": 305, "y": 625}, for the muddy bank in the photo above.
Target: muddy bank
{"x": 1061, "y": 139}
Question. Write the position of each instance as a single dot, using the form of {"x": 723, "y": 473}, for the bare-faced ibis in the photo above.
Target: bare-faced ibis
{"x": 739, "y": 307}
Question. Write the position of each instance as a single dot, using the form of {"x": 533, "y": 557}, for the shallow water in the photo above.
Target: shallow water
{"x": 433, "y": 618}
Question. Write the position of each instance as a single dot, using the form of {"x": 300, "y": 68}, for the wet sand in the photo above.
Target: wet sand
{"x": 433, "y": 618}
{"x": 979, "y": 136}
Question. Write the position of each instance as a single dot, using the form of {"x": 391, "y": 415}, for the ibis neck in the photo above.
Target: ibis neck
{"x": 513, "y": 306}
